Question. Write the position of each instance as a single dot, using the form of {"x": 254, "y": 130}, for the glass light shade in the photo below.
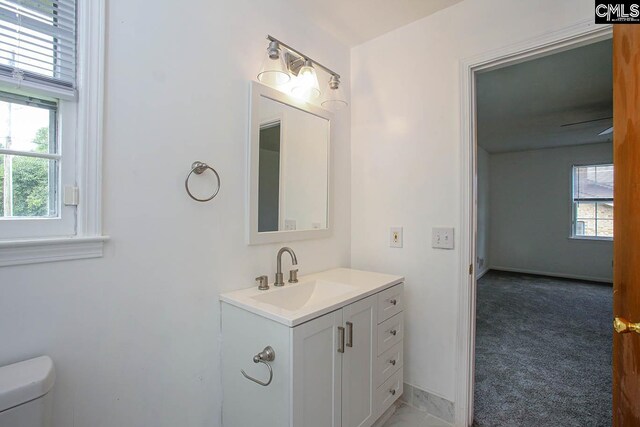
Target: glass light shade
{"x": 306, "y": 85}
{"x": 274, "y": 71}
{"x": 335, "y": 99}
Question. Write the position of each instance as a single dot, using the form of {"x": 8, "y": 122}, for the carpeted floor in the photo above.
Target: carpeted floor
{"x": 543, "y": 352}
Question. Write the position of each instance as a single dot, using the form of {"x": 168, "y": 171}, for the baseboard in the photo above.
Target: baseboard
{"x": 552, "y": 274}
{"x": 429, "y": 402}
{"x": 482, "y": 273}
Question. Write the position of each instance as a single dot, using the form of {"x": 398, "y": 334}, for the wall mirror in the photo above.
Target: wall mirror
{"x": 289, "y": 168}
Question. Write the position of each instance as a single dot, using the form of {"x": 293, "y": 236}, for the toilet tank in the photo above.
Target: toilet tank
{"x": 25, "y": 393}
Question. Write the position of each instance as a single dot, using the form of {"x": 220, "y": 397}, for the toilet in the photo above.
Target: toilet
{"x": 25, "y": 393}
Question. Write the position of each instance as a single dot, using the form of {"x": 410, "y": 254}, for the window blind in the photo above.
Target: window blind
{"x": 593, "y": 183}
{"x": 38, "y": 44}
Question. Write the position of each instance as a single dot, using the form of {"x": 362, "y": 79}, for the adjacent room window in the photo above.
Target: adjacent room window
{"x": 593, "y": 201}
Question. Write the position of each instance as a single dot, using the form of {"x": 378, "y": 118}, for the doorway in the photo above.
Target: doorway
{"x": 545, "y": 240}
{"x": 564, "y": 40}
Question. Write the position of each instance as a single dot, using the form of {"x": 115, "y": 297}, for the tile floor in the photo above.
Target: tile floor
{"x": 406, "y": 416}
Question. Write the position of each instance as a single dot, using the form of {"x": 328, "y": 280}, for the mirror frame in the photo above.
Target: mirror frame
{"x": 253, "y": 236}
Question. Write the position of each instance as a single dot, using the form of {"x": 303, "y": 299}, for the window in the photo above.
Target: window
{"x": 29, "y": 176}
{"x": 593, "y": 201}
{"x": 50, "y": 129}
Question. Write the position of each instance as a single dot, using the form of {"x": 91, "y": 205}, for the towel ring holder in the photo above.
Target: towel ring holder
{"x": 265, "y": 356}
{"x": 199, "y": 168}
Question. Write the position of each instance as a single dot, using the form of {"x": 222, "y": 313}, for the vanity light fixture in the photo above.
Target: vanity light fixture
{"x": 274, "y": 71}
{"x": 284, "y": 63}
{"x": 335, "y": 98}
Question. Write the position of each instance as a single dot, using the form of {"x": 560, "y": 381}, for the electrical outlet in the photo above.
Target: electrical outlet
{"x": 442, "y": 238}
{"x": 289, "y": 224}
{"x": 395, "y": 240}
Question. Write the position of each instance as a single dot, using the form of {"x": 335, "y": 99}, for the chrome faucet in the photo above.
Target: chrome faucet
{"x": 293, "y": 274}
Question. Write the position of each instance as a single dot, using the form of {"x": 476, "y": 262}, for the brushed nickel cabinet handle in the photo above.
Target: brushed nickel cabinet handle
{"x": 392, "y": 391}
{"x": 349, "y": 334}
{"x": 393, "y": 301}
{"x": 393, "y": 362}
{"x": 340, "y": 339}
{"x": 393, "y": 332}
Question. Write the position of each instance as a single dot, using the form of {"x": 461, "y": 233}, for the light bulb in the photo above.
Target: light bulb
{"x": 306, "y": 85}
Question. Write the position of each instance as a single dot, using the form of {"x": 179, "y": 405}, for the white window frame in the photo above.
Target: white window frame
{"x": 63, "y": 224}
{"x": 87, "y": 241}
{"x": 574, "y": 218}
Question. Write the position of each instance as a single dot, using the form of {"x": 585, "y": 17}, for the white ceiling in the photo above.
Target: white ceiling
{"x": 523, "y": 107}
{"x": 355, "y": 21}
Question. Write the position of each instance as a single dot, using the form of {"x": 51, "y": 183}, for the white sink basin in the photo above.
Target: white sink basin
{"x": 316, "y": 294}
{"x": 296, "y": 297}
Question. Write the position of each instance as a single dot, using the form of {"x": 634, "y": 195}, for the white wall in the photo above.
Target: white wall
{"x": 483, "y": 261}
{"x": 531, "y": 213}
{"x": 406, "y": 158}
{"x": 135, "y": 335}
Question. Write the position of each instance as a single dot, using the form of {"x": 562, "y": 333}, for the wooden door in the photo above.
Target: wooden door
{"x": 626, "y": 290}
{"x": 317, "y": 371}
{"x": 358, "y": 363}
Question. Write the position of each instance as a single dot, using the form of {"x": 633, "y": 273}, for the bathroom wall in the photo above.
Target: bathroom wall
{"x": 135, "y": 335}
{"x": 531, "y": 214}
{"x": 483, "y": 260}
{"x": 406, "y": 159}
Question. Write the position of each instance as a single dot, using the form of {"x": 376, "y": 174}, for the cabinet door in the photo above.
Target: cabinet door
{"x": 317, "y": 371}
{"x": 358, "y": 363}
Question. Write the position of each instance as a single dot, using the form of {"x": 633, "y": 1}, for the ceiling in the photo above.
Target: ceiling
{"x": 355, "y": 21}
{"x": 523, "y": 106}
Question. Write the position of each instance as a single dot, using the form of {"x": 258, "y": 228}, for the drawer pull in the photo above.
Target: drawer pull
{"x": 393, "y": 301}
{"x": 392, "y": 391}
{"x": 393, "y": 362}
{"x": 393, "y": 332}
{"x": 340, "y": 339}
{"x": 349, "y": 334}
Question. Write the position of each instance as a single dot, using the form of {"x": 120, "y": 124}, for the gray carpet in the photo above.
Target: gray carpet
{"x": 543, "y": 352}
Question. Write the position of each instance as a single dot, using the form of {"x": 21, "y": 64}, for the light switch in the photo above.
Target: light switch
{"x": 442, "y": 238}
{"x": 395, "y": 238}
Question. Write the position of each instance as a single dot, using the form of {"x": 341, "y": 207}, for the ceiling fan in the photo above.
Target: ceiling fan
{"x": 604, "y": 132}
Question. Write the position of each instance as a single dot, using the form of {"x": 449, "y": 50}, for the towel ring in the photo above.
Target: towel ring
{"x": 265, "y": 356}
{"x": 198, "y": 168}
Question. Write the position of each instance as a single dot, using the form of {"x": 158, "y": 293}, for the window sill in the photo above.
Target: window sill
{"x": 591, "y": 239}
{"x": 20, "y": 252}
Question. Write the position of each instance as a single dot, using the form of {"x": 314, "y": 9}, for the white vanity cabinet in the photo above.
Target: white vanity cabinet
{"x": 333, "y": 365}
{"x": 341, "y": 369}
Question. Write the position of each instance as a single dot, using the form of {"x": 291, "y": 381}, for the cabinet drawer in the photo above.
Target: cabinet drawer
{"x": 390, "y": 333}
{"x": 388, "y": 362}
{"x": 390, "y": 302}
{"x": 389, "y": 392}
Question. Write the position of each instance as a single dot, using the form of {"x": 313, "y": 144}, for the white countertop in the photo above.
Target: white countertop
{"x": 313, "y": 295}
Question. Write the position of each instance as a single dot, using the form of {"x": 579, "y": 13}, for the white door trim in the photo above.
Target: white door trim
{"x": 581, "y": 33}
